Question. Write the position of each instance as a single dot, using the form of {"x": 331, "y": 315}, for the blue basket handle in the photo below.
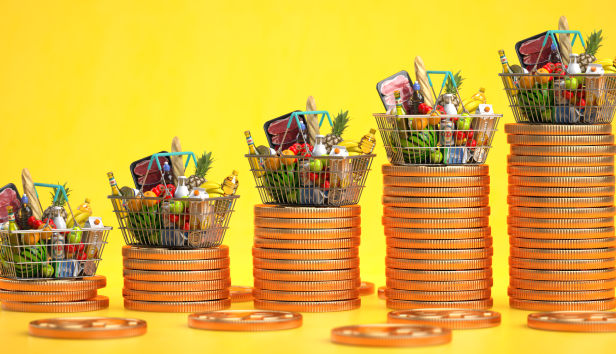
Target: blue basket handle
{"x": 162, "y": 154}
{"x": 447, "y": 74}
{"x": 552, "y": 32}
{"x": 58, "y": 188}
{"x": 296, "y": 114}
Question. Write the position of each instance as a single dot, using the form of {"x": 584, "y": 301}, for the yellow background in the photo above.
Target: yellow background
{"x": 87, "y": 87}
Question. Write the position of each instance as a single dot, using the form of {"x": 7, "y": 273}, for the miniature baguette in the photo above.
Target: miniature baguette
{"x": 564, "y": 40}
{"x": 422, "y": 77}
{"x": 177, "y": 162}
{"x": 33, "y": 202}
{"x": 312, "y": 121}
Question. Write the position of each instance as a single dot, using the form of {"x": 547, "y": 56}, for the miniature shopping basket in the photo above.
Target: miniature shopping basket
{"x": 52, "y": 253}
{"x": 549, "y": 98}
{"x": 161, "y": 221}
{"x": 438, "y": 140}
{"x": 310, "y": 180}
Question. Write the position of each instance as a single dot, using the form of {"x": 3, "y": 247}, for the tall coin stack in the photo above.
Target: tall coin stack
{"x": 439, "y": 244}
{"x": 306, "y": 259}
{"x": 167, "y": 280}
{"x": 561, "y": 217}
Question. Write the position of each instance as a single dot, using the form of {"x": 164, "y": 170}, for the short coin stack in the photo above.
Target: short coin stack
{"x": 306, "y": 259}
{"x": 167, "y": 280}
{"x": 60, "y": 296}
{"x": 561, "y": 217}
{"x": 439, "y": 244}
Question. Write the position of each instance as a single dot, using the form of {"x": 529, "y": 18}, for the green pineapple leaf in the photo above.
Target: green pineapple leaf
{"x": 204, "y": 164}
{"x": 449, "y": 87}
{"x": 341, "y": 122}
{"x": 593, "y": 42}
{"x": 60, "y": 201}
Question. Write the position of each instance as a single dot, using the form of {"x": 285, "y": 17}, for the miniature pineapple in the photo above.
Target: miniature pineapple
{"x": 593, "y": 43}
{"x": 450, "y": 88}
{"x": 340, "y": 124}
{"x": 61, "y": 202}
{"x": 204, "y": 164}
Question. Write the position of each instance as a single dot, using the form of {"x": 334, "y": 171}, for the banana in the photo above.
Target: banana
{"x": 471, "y": 107}
{"x": 215, "y": 191}
{"x": 610, "y": 67}
{"x": 604, "y": 62}
{"x": 353, "y": 153}
{"x": 354, "y": 149}
{"x": 214, "y": 195}
{"x": 467, "y": 101}
{"x": 80, "y": 218}
{"x": 210, "y": 184}
{"x": 349, "y": 143}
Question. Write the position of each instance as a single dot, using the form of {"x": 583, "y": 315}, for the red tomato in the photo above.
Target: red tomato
{"x": 325, "y": 185}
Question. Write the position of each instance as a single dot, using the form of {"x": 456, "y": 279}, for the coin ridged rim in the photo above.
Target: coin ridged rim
{"x": 165, "y": 254}
{"x": 173, "y": 296}
{"x": 240, "y": 293}
{"x": 97, "y": 303}
{"x": 448, "y": 234}
{"x": 566, "y": 171}
{"x": 530, "y": 305}
{"x": 562, "y": 244}
{"x": 202, "y": 264}
{"x": 443, "y": 213}
{"x": 558, "y": 140}
{"x": 434, "y": 203}
{"x": 311, "y": 286}
{"x": 287, "y": 264}
{"x": 466, "y": 223}
{"x": 330, "y": 223}
{"x": 578, "y": 285}
{"x": 461, "y": 319}
{"x": 81, "y": 284}
{"x": 315, "y": 234}
{"x": 177, "y": 307}
{"x": 308, "y": 306}
{"x": 603, "y": 232}
{"x": 366, "y": 288}
{"x": 381, "y": 292}
{"x": 435, "y": 171}
{"x": 172, "y": 276}
{"x": 545, "y": 295}
{"x": 203, "y": 285}
{"x": 471, "y": 304}
{"x": 306, "y": 244}
{"x": 573, "y": 151}
{"x": 297, "y": 212}
{"x": 60, "y": 296}
{"x": 561, "y": 182}
{"x": 461, "y": 295}
{"x": 560, "y": 161}
{"x": 330, "y": 295}
{"x": 435, "y": 286}
{"x": 430, "y": 264}
{"x": 565, "y": 213}
{"x": 562, "y": 264}
{"x": 131, "y": 327}
{"x": 562, "y": 275}
{"x": 542, "y": 253}
{"x": 605, "y": 191}
{"x": 436, "y": 182}
{"x": 439, "y": 275}
{"x": 466, "y": 254}
{"x": 452, "y": 192}
{"x": 453, "y": 244}
{"x": 306, "y": 275}
{"x": 560, "y": 223}
{"x": 407, "y": 336}
{"x": 251, "y": 320}
{"x": 546, "y": 202}
{"x": 275, "y": 253}
{"x": 557, "y": 129}
{"x": 573, "y": 321}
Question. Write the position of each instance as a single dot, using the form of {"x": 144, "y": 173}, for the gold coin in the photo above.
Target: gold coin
{"x": 465, "y": 223}
{"x": 202, "y": 264}
{"x": 468, "y": 202}
{"x": 562, "y": 192}
{"x": 562, "y": 264}
{"x": 55, "y": 285}
{"x": 436, "y": 182}
{"x": 443, "y": 286}
{"x": 569, "y": 171}
{"x": 61, "y": 296}
{"x": 273, "y": 253}
{"x": 308, "y": 306}
{"x": 560, "y": 234}
{"x": 204, "y": 285}
{"x": 544, "y": 285}
{"x": 331, "y": 223}
{"x": 562, "y": 244}
{"x": 87, "y": 327}
{"x": 317, "y": 234}
{"x": 454, "y": 244}
{"x": 564, "y": 213}
{"x": 575, "y": 182}
{"x": 541, "y": 295}
{"x": 182, "y": 296}
{"x": 297, "y": 212}
{"x": 438, "y": 295}
{"x": 525, "y": 150}
{"x": 542, "y": 202}
{"x": 331, "y": 264}
{"x": 438, "y": 275}
{"x": 560, "y": 223}
{"x": 311, "y": 286}
{"x": 391, "y": 335}
{"x": 381, "y": 293}
{"x": 245, "y": 320}
{"x": 530, "y": 305}
{"x": 563, "y": 275}
{"x": 334, "y": 295}
{"x": 565, "y": 140}
{"x": 165, "y": 254}
{"x": 438, "y": 233}
{"x": 191, "y": 306}
{"x": 97, "y": 303}
{"x": 175, "y": 276}
{"x": 444, "y": 213}
{"x": 306, "y": 244}
{"x": 435, "y": 171}
{"x": 452, "y": 319}
{"x": 366, "y": 288}
{"x": 560, "y": 161}
{"x": 305, "y": 275}
{"x": 567, "y": 321}
{"x": 416, "y": 254}
{"x": 542, "y": 253}
{"x": 557, "y": 129}
{"x": 429, "y": 264}
{"x": 240, "y": 293}
{"x": 471, "y": 304}
{"x": 436, "y": 192}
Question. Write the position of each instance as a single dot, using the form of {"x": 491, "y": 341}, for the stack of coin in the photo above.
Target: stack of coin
{"x": 61, "y": 295}
{"x": 561, "y": 217}
{"x": 439, "y": 244}
{"x": 306, "y": 259}
{"x": 167, "y": 280}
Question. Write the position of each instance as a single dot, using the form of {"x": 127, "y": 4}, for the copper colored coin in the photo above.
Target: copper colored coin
{"x": 560, "y": 223}
{"x": 182, "y": 296}
{"x": 410, "y": 253}
{"x": 545, "y": 202}
{"x": 530, "y": 305}
{"x": 542, "y": 253}
{"x": 562, "y": 244}
{"x": 175, "y": 276}
{"x": 447, "y": 318}
{"x": 308, "y": 285}
{"x": 543, "y": 295}
{"x": 562, "y": 182}
{"x": 321, "y": 234}
{"x": 423, "y": 264}
{"x": 567, "y": 321}
{"x": 87, "y": 327}
{"x": 568, "y": 171}
{"x": 464, "y": 223}
{"x": 454, "y": 192}
{"x": 203, "y": 264}
{"x": 472, "y": 304}
{"x": 465, "y": 295}
{"x": 97, "y": 303}
{"x": 560, "y": 234}
{"x": 454, "y": 244}
{"x": 568, "y": 264}
{"x": 562, "y": 192}
{"x": 445, "y": 213}
{"x": 166, "y": 254}
{"x": 307, "y": 244}
{"x": 62, "y": 296}
{"x": 391, "y": 335}
{"x": 273, "y": 253}
{"x": 305, "y": 275}
{"x": 240, "y": 293}
{"x": 192, "y": 306}
{"x": 403, "y": 202}
{"x": 557, "y": 129}
{"x": 435, "y": 171}
{"x": 563, "y": 275}
{"x": 56, "y": 285}
{"x": 430, "y": 285}
{"x": 297, "y": 212}
{"x": 525, "y": 150}
{"x": 562, "y": 140}
{"x": 444, "y": 234}
{"x": 308, "y": 306}
{"x": 245, "y": 320}
{"x": 578, "y": 285}
{"x": 438, "y": 275}
{"x": 564, "y": 213}
{"x": 204, "y": 285}
{"x": 381, "y": 292}
{"x": 335, "y": 295}
{"x": 331, "y": 223}
{"x": 558, "y": 161}
{"x": 436, "y": 182}
{"x": 331, "y": 264}
{"x": 366, "y": 288}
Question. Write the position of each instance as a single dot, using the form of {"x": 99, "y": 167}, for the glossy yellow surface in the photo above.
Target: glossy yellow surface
{"x": 88, "y": 87}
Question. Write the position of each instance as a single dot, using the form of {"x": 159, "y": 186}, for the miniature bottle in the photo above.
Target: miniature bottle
{"x": 24, "y": 213}
{"x": 230, "y": 184}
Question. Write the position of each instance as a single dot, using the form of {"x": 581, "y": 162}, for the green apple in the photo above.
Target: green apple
{"x": 436, "y": 156}
{"x": 571, "y": 83}
{"x": 464, "y": 123}
{"x": 176, "y": 207}
{"x": 316, "y": 165}
{"x": 75, "y": 235}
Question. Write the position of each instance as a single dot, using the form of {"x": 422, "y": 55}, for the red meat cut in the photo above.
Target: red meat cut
{"x": 285, "y": 146}
{"x": 142, "y": 167}
{"x": 279, "y": 126}
{"x": 532, "y": 58}
{"x": 8, "y": 197}
{"x": 291, "y": 136}
{"x": 402, "y": 84}
{"x": 534, "y": 46}
{"x": 154, "y": 177}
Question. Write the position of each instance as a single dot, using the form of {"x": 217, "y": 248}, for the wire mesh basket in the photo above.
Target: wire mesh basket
{"x": 161, "y": 221}
{"x": 550, "y": 98}
{"x": 52, "y": 253}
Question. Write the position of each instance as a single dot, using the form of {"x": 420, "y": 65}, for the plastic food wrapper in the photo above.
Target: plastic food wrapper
{"x": 400, "y": 81}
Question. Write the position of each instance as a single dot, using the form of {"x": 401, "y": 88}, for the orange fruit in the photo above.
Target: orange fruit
{"x": 135, "y": 204}
{"x": 46, "y": 235}
{"x": 272, "y": 163}
{"x": 288, "y": 161}
{"x": 31, "y": 239}
{"x": 419, "y": 123}
{"x": 150, "y": 203}
{"x": 434, "y": 119}
{"x": 542, "y": 79}
{"x": 527, "y": 81}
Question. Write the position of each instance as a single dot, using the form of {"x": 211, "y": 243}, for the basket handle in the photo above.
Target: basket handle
{"x": 448, "y": 75}
{"x": 163, "y": 154}
{"x": 58, "y": 189}
{"x": 551, "y": 33}
{"x": 295, "y": 116}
